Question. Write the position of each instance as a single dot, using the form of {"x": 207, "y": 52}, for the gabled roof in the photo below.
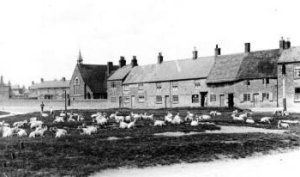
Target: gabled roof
{"x": 120, "y": 73}
{"x": 290, "y": 55}
{"x": 253, "y": 65}
{"x": 51, "y": 84}
{"x": 171, "y": 70}
{"x": 94, "y": 76}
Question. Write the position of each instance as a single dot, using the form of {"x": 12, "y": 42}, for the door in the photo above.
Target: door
{"x": 132, "y": 101}
{"x": 203, "y": 101}
{"x": 230, "y": 100}
{"x": 167, "y": 101}
{"x": 222, "y": 100}
{"x": 255, "y": 99}
{"x": 120, "y": 102}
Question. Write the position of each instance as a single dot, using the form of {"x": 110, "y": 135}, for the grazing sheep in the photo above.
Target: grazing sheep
{"x": 189, "y": 116}
{"x": 58, "y": 119}
{"x": 60, "y": 133}
{"x": 266, "y": 119}
{"x": 101, "y": 120}
{"x": 235, "y": 112}
{"x": 32, "y": 119}
{"x": 44, "y": 114}
{"x": 119, "y": 119}
{"x": 244, "y": 116}
{"x": 21, "y": 132}
{"x": 135, "y": 116}
{"x": 20, "y": 123}
{"x": 145, "y": 116}
{"x": 280, "y": 124}
{"x": 127, "y": 118}
{"x": 113, "y": 115}
{"x": 159, "y": 123}
{"x": 62, "y": 114}
{"x": 38, "y": 132}
{"x": 195, "y": 122}
{"x": 215, "y": 113}
{"x": 96, "y": 115}
{"x": 123, "y": 125}
{"x": 205, "y": 117}
{"x": 80, "y": 118}
{"x": 177, "y": 119}
{"x": 169, "y": 117}
{"x": 237, "y": 118}
{"x": 131, "y": 124}
{"x": 7, "y": 131}
{"x": 250, "y": 121}
{"x": 70, "y": 119}
{"x": 36, "y": 124}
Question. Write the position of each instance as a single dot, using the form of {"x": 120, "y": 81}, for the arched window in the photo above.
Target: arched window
{"x": 76, "y": 81}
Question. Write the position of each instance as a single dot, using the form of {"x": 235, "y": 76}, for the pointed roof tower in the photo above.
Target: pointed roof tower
{"x": 79, "y": 60}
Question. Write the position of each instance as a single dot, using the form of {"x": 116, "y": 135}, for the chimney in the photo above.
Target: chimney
{"x": 32, "y": 82}
{"x": 134, "y": 62}
{"x": 282, "y": 43}
{"x": 247, "y": 47}
{"x": 63, "y": 79}
{"x": 195, "y": 53}
{"x": 160, "y": 58}
{"x": 122, "y": 61}
{"x": 287, "y": 44}
{"x": 109, "y": 68}
{"x": 42, "y": 80}
{"x": 1, "y": 80}
{"x": 217, "y": 50}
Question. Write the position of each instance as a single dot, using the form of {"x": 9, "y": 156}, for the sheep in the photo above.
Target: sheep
{"x": 205, "y": 117}
{"x": 135, "y": 116}
{"x": 159, "y": 123}
{"x": 101, "y": 120}
{"x": 215, "y": 113}
{"x": 96, "y": 115}
{"x": 36, "y": 124}
{"x": 195, "y": 122}
{"x": 38, "y": 132}
{"x": 113, "y": 115}
{"x": 176, "y": 119}
{"x": 168, "y": 117}
{"x": 92, "y": 128}
{"x": 244, "y": 116}
{"x": 21, "y": 132}
{"x": 127, "y": 118}
{"x": 131, "y": 124}
{"x": 32, "y": 119}
{"x": 44, "y": 114}
{"x": 123, "y": 125}
{"x": 20, "y": 123}
{"x": 80, "y": 118}
{"x": 59, "y": 132}
{"x": 280, "y": 124}
{"x": 290, "y": 121}
{"x": 119, "y": 118}
{"x": 7, "y": 131}
{"x": 70, "y": 119}
{"x": 189, "y": 116}
{"x": 237, "y": 118}
{"x": 62, "y": 114}
{"x": 250, "y": 121}
{"x": 58, "y": 119}
{"x": 145, "y": 116}
{"x": 266, "y": 119}
{"x": 235, "y": 111}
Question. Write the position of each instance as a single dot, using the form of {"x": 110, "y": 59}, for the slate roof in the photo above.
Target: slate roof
{"x": 51, "y": 84}
{"x": 171, "y": 70}
{"x": 290, "y": 55}
{"x": 253, "y": 65}
{"x": 94, "y": 76}
{"x": 120, "y": 73}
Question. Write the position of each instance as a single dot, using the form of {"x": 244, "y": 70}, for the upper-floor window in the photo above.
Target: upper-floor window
{"x": 76, "y": 81}
{"x": 158, "y": 86}
{"x": 266, "y": 81}
{"x": 158, "y": 99}
{"x": 140, "y": 86}
{"x": 265, "y": 96}
{"x": 283, "y": 70}
{"x": 175, "y": 99}
{"x": 197, "y": 83}
{"x": 125, "y": 87}
{"x": 247, "y": 82}
{"x": 141, "y": 98}
{"x": 247, "y": 96}
{"x": 297, "y": 94}
{"x": 174, "y": 85}
{"x": 297, "y": 72}
{"x": 113, "y": 84}
{"x": 213, "y": 98}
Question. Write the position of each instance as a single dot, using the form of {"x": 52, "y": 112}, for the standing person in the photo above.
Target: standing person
{"x": 42, "y": 107}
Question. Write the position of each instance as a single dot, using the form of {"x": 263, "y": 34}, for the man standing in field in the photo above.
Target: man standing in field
{"x": 42, "y": 107}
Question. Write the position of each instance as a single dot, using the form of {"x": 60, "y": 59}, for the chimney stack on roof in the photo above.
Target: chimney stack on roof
{"x": 287, "y": 44}
{"x": 160, "y": 58}
{"x": 122, "y": 61}
{"x": 195, "y": 53}
{"x": 247, "y": 47}
{"x": 42, "y": 80}
{"x": 1, "y": 80}
{"x": 284, "y": 44}
{"x": 134, "y": 61}
{"x": 217, "y": 50}
{"x": 109, "y": 68}
{"x": 63, "y": 79}
{"x": 32, "y": 82}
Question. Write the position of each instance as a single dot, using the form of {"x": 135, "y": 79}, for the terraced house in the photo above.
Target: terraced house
{"x": 267, "y": 78}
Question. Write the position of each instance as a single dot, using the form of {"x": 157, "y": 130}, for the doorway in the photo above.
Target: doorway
{"x": 203, "y": 99}
{"x": 255, "y": 99}
{"x": 120, "y": 102}
{"x": 132, "y": 101}
{"x": 230, "y": 100}
{"x": 167, "y": 101}
{"x": 222, "y": 100}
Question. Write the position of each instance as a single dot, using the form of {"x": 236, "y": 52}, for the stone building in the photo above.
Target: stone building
{"x": 5, "y": 91}
{"x": 89, "y": 81}
{"x": 49, "y": 89}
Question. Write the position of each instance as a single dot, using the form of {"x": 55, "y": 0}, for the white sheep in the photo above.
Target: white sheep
{"x": 62, "y": 114}
{"x": 131, "y": 124}
{"x": 20, "y": 123}
{"x": 145, "y": 116}
{"x": 177, "y": 119}
{"x": 80, "y": 118}
{"x": 205, "y": 117}
{"x": 280, "y": 124}
{"x": 123, "y": 125}
{"x": 32, "y": 119}
{"x": 250, "y": 121}
{"x": 21, "y": 132}
{"x": 7, "y": 131}
{"x": 266, "y": 119}
{"x": 235, "y": 112}
{"x": 96, "y": 115}
{"x": 101, "y": 120}
{"x": 159, "y": 123}
{"x": 127, "y": 118}
{"x": 290, "y": 121}
{"x": 58, "y": 119}
{"x": 44, "y": 114}
{"x": 237, "y": 118}
{"x": 60, "y": 133}
{"x": 70, "y": 119}
{"x": 195, "y": 122}
{"x": 135, "y": 116}
{"x": 113, "y": 115}
{"x": 119, "y": 118}
{"x": 38, "y": 132}
{"x": 169, "y": 117}
{"x": 36, "y": 124}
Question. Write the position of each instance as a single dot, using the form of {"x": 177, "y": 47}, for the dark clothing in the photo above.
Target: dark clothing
{"x": 42, "y": 107}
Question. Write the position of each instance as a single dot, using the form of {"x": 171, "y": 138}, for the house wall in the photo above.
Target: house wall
{"x": 4, "y": 92}
{"x": 291, "y": 82}
{"x": 49, "y": 93}
{"x": 114, "y": 93}
{"x": 185, "y": 90}
{"x": 240, "y": 88}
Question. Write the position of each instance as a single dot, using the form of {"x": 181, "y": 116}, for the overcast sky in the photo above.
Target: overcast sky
{"x": 41, "y": 39}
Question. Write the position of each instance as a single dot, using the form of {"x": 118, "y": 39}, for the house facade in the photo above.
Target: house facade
{"x": 49, "y": 90}
{"x": 89, "y": 81}
{"x": 5, "y": 89}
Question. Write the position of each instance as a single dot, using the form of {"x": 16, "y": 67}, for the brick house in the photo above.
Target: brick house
{"x": 89, "y": 81}
{"x": 49, "y": 90}
{"x": 5, "y": 89}
{"x": 168, "y": 84}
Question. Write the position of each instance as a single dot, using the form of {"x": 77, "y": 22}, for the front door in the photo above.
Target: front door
{"x": 167, "y": 101}
{"x": 120, "y": 102}
{"x": 230, "y": 100}
{"x": 255, "y": 99}
{"x": 203, "y": 101}
{"x": 222, "y": 100}
{"x": 132, "y": 101}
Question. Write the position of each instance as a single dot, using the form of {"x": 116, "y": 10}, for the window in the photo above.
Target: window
{"x": 247, "y": 96}
{"x": 76, "y": 81}
{"x": 113, "y": 99}
{"x": 125, "y": 88}
{"x": 195, "y": 98}
{"x": 127, "y": 99}
{"x": 174, "y": 86}
{"x": 213, "y": 98}
{"x": 247, "y": 82}
{"x": 297, "y": 72}
{"x": 141, "y": 98}
{"x": 175, "y": 99}
{"x": 158, "y": 86}
{"x": 76, "y": 89}
{"x": 283, "y": 70}
{"x": 113, "y": 85}
{"x": 197, "y": 83}
{"x": 266, "y": 81}
{"x": 297, "y": 94}
{"x": 158, "y": 99}
{"x": 265, "y": 96}
{"x": 140, "y": 86}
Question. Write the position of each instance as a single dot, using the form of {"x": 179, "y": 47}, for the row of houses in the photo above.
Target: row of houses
{"x": 267, "y": 78}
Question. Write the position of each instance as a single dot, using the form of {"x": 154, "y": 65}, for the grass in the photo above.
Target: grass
{"x": 80, "y": 155}
{"x": 3, "y": 113}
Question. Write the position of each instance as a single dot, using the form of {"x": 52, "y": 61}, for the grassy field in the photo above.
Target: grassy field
{"x": 81, "y": 155}
{"x": 3, "y": 113}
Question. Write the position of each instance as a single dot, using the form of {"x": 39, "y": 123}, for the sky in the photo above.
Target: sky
{"x": 42, "y": 38}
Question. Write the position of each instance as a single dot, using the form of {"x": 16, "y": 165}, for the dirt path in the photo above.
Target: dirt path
{"x": 275, "y": 165}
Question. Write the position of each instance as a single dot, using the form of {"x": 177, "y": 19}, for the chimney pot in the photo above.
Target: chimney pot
{"x": 287, "y": 44}
{"x": 32, "y": 82}
{"x": 109, "y": 68}
{"x": 122, "y": 61}
{"x": 42, "y": 80}
{"x": 217, "y": 50}
{"x": 247, "y": 47}
{"x": 134, "y": 61}
{"x": 63, "y": 79}
{"x": 195, "y": 53}
{"x": 282, "y": 43}
{"x": 160, "y": 58}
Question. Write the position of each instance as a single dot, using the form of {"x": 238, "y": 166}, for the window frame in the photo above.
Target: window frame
{"x": 213, "y": 97}
{"x": 195, "y": 98}
{"x": 141, "y": 100}
{"x": 158, "y": 101}
{"x": 174, "y": 101}
{"x": 296, "y": 99}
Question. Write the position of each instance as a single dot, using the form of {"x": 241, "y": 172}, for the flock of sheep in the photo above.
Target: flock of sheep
{"x": 38, "y": 127}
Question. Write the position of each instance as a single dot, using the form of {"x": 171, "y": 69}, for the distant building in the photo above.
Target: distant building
{"x": 5, "y": 91}
{"x": 18, "y": 92}
{"x": 89, "y": 81}
{"x": 49, "y": 89}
